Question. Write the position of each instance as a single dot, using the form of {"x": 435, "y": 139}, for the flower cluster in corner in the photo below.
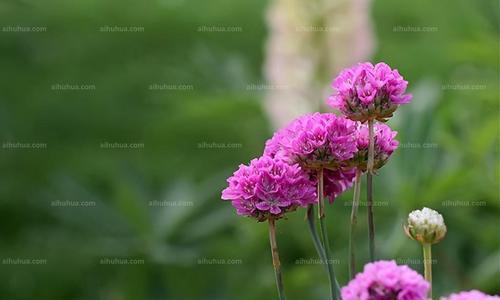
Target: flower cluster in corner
{"x": 386, "y": 280}
{"x": 470, "y": 295}
{"x": 368, "y": 91}
{"x": 269, "y": 187}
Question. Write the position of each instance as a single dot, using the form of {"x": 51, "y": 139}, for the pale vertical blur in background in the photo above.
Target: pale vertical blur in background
{"x": 308, "y": 43}
{"x": 121, "y": 120}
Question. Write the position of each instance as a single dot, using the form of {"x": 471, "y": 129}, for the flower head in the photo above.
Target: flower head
{"x": 269, "y": 187}
{"x": 385, "y": 144}
{"x": 386, "y": 280}
{"x": 315, "y": 140}
{"x": 318, "y": 140}
{"x": 470, "y": 295}
{"x": 366, "y": 92}
{"x": 426, "y": 226}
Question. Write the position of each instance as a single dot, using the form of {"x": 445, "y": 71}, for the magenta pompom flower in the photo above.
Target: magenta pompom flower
{"x": 384, "y": 145}
{"x": 319, "y": 140}
{"x": 269, "y": 188}
{"x": 470, "y": 295}
{"x": 386, "y": 280}
{"x": 367, "y": 92}
{"x": 315, "y": 140}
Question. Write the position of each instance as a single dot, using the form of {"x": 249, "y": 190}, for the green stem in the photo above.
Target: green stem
{"x": 314, "y": 234}
{"x": 334, "y": 285}
{"x": 371, "y": 146}
{"x": 428, "y": 265}
{"x": 354, "y": 221}
{"x": 371, "y": 224}
{"x": 276, "y": 259}
{"x": 369, "y": 189}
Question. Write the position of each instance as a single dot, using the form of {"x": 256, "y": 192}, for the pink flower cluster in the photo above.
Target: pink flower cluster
{"x": 470, "y": 295}
{"x": 286, "y": 176}
{"x": 315, "y": 139}
{"x": 269, "y": 187}
{"x": 386, "y": 280}
{"x": 335, "y": 143}
{"x": 385, "y": 144}
{"x": 366, "y": 92}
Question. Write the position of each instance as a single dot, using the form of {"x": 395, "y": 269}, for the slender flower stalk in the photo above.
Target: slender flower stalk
{"x": 321, "y": 203}
{"x": 371, "y": 223}
{"x": 428, "y": 265}
{"x": 276, "y": 259}
{"x": 371, "y": 146}
{"x": 318, "y": 244}
{"x": 369, "y": 190}
{"x": 354, "y": 221}
{"x": 311, "y": 221}
{"x": 334, "y": 286}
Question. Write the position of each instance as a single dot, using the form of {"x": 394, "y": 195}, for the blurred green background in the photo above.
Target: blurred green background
{"x": 73, "y": 207}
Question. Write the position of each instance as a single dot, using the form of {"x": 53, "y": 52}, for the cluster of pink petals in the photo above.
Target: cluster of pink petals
{"x": 319, "y": 140}
{"x": 366, "y": 91}
{"x": 470, "y": 295}
{"x": 269, "y": 187}
{"x": 384, "y": 141}
{"x": 315, "y": 139}
{"x": 384, "y": 280}
{"x": 337, "y": 181}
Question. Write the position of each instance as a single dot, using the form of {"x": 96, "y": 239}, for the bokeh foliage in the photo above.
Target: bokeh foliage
{"x": 460, "y": 125}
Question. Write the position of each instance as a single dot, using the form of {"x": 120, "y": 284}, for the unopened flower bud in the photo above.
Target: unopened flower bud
{"x": 426, "y": 226}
